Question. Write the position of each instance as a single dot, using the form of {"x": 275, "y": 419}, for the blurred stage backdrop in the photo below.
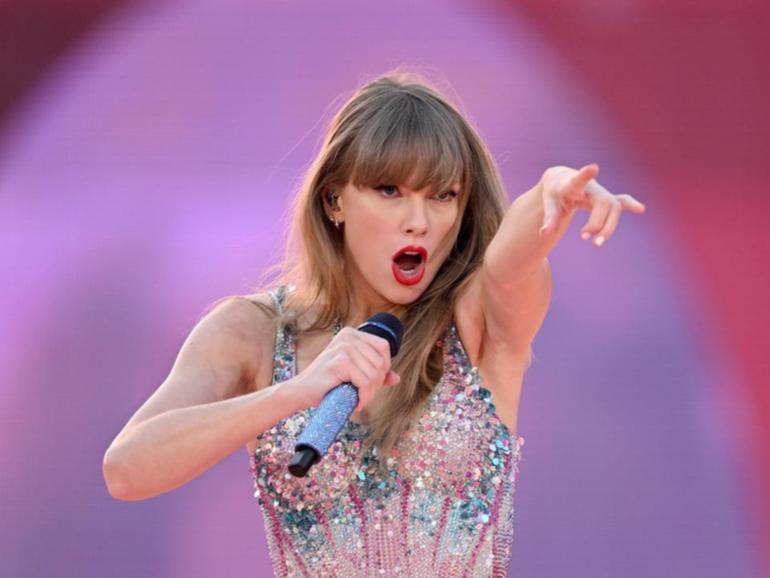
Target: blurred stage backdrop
{"x": 148, "y": 151}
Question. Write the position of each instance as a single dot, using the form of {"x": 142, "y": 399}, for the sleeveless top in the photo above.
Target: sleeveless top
{"x": 445, "y": 508}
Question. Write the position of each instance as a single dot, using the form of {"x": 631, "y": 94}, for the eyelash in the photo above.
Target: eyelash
{"x": 452, "y": 194}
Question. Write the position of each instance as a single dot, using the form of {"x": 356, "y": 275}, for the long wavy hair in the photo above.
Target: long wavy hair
{"x": 396, "y": 128}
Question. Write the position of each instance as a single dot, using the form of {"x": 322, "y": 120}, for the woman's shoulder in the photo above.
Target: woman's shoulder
{"x": 258, "y": 316}
{"x": 247, "y": 314}
{"x": 291, "y": 305}
{"x": 263, "y": 301}
{"x": 248, "y": 320}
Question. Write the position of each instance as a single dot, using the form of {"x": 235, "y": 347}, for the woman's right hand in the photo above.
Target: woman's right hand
{"x": 352, "y": 356}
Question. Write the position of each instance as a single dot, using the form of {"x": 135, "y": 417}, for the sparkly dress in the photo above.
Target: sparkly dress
{"x": 445, "y": 508}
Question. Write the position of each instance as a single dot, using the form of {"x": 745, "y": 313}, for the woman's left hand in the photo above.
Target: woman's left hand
{"x": 565, "y": 190}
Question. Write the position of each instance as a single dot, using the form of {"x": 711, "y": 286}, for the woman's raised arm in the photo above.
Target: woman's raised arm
{"x": 516, "y": 275}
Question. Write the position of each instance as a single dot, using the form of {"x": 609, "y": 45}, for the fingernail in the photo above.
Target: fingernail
{"x": 599, "y": 240}
{"x": 543, "y": 228}
{"x": 585, "y": 235}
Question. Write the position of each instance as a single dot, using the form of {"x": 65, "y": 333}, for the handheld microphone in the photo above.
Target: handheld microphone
{"x": 335, "y": 408}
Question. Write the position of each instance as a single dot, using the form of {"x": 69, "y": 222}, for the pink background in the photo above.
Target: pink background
{"x": 148, "y": 152}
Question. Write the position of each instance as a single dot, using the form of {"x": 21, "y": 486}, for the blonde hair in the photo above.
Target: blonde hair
{"x": 395, "y": 129}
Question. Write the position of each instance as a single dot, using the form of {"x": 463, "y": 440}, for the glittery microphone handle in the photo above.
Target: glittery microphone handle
{"x": 327, "y": 419}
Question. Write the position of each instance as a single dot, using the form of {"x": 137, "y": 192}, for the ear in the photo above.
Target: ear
{"x": 333, "y": 205}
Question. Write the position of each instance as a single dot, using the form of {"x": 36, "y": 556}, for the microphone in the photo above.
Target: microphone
{"x": 335, "y": 408}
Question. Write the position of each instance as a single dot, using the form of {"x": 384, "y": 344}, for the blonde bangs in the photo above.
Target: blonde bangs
{"x": 410, "y": 142}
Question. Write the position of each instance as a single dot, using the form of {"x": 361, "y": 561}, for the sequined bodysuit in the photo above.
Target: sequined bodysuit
{"x": 445, "y": 508}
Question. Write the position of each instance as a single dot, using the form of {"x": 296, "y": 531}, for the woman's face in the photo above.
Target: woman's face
{"x": 396, "y": 239}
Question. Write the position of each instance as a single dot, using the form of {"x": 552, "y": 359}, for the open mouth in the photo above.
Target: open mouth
{"x": 408, "y": 261}
{"x": 409, "y": 265}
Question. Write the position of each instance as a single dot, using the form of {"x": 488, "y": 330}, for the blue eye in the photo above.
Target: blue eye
{"x": 381, "y": 188}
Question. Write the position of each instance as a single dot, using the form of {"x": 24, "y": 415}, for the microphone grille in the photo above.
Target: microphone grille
{"x": 388, "y": 327}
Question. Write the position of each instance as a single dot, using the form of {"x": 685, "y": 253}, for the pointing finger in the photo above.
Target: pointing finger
{"x": 581, "y": 178}
{"x": 631, "y": 204}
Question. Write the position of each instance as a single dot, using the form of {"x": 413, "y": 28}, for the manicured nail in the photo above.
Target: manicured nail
{"x": 585, "y": 235}
{"x": 599, "y": 240}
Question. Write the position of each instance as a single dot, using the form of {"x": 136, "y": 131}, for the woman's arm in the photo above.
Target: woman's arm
{"x": 515, "y": 278}
{"x": 168, "y": 450}
{"x": 517, "y": 250}
{"x": 516, "y": 275}
{"x": 196, "y": 418}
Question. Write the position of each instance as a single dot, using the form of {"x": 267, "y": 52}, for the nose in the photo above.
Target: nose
{"x": 416, "y": 219}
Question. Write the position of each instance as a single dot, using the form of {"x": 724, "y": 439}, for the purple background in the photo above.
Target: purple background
{"x": 147, "y": 175}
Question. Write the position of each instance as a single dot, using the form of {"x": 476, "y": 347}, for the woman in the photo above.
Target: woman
{"x": 403, "y": 210}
